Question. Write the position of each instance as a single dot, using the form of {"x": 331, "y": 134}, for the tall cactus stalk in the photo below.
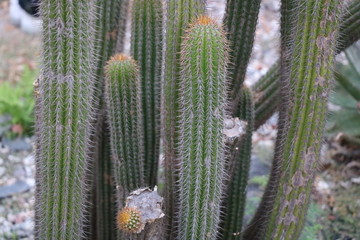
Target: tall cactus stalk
{"x": 146, "y": 48}
{"x": 241, "y": 155}
{"x": 123, "y": 100}
{"x": 240, "y": 23}
{"x": 297, "y": 156}
{"x": 65, "y": 92}
{"x": 266, "y": 104}
{"x": 178, "y": 16}
{"x": 202, "y": 100}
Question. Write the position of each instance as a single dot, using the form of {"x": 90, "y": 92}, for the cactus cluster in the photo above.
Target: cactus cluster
{"x": 102, "y": 114}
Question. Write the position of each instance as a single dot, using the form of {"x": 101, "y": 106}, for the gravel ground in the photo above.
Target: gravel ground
{"x": 16, "y": 158}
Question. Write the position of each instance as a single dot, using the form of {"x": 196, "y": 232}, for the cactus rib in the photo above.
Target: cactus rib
{"x": 240, "y": 23}
{"x": 64, "y": 118}
{"x": 123, "y": 101}
{"x": 178, "y": 15}
{"x": 201, "y": 141}
{"x": 146, "y": 48}
{"x": 297, "y": 157}
{"x": 241, "y": 153}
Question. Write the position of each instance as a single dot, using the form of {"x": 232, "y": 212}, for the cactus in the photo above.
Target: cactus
{"x": 241, "y": 155}
{"x": 202, "y": 144}
{"x": 178, "y": 15}
{"x": 146, "y": 48}
{"x": 123, "y": 100}
{"x": 240, "y": 23}
{"x": 110, "y": 31}
{"x": 65, "y": 91}
{"x": 266, "y": 104}
{"x": 297, "y": 156}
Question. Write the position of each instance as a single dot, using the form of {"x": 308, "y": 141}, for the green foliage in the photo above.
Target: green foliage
{"x": 17, "y": 101}
{"x": 260, "y": 180}
{"x": 312, "y": 225}
{"x": 346, "y": 98}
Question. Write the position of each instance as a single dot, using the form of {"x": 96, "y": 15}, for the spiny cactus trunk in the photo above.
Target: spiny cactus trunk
{"x": 266, "y": 104}
{"x": 64, "y": 118}
{"x": 297, "y": 156}
{"x": 241, "y": 154}
{"x": 123, "y": 100}
{"x": 110, "y": 31}
{"x": 202, "y": 150}
{"x": 240, "y": 23}
{"x": 178, "y": 15}
{"x": 146, "y": 48}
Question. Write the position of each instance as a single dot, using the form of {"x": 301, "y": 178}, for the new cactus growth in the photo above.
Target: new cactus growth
{"x": 239, "y": 170}
{"x": 201, "y": 147}
{"x": 123, "y": 100}
{"x": 146, "y": 48}
{"x": 64, "y": 118}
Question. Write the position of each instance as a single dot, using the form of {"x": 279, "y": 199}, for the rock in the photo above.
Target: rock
{"x": 1, "y": 161}
{"x": 2, "y": 171}
{"x": 17, "y": 187}
{"x": 18, "y": 144}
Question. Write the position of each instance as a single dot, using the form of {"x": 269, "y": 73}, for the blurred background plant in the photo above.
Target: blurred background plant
{"x": 17, "y": 104}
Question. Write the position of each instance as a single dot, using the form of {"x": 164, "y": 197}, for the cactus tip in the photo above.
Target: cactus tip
{"x": 119, "y": 57}
{"x": 205, "y": 20}
{"x": 129, "y": 220}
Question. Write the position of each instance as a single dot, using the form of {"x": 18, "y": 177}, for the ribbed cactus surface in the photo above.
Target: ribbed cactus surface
{"x": 178, "y": 16}
{"x": 146, "y": 48}
{"x": 310, "y": 72}
{"x": 201, "y": 156}
{"x": 239, "y": 170}
{"x": 110, "y": 30}
{"x": 123, "y": 101}
{"x": 64, "y": 118}
{"x": 240, "y": 23}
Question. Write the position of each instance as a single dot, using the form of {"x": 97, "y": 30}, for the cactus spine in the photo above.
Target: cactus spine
{"x": 240, "y": 24}
{"x": 64, "y": 118}
{"x": 241, "y": 155}
{"x": 110, "y": 29}
{"x": 123, "y": 100}
{"x": 146, "y": 48}
{"x": 266, "y": 104}
{"x": 202, "y": 144}
{"x": 310, "y": 72}
{"x": 178, "y": 15}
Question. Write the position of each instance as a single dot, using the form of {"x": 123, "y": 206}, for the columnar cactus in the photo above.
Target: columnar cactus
{"x": 201, "y": 147}
{"x": 306, "y": 98}
{"x": 178, "y": 16}
{"x": 146, "y": 48}
{"x": 65, "y": 93}
{"x": 123, "y": 100}
{"x": 110, "y": 32}
{"x": 240, "y": 22}
{"x": 241, "y": 155}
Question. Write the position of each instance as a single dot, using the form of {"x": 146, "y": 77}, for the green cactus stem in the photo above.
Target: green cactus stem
{"x": 146, "y": 48}
{"x": 240, "y": 23}
{"x": 202, "y": 101}
{"x": 65, "y": 93}
{"x": 178, "y": 15}
{"x": 281, "y": 215}
{"x": 123, "y": 101}
{"x": 241, "y": 153}
{"x": 266, "y": 104}
{"x": 110, "y": 30}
